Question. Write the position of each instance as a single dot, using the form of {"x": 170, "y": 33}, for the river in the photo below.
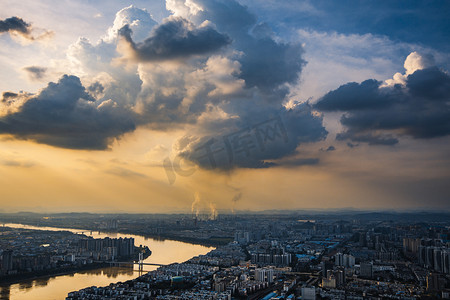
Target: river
{"x": 57, "y": 287}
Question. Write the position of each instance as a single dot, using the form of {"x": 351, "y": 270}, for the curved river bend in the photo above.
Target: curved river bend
{"x": 57, "y": 287}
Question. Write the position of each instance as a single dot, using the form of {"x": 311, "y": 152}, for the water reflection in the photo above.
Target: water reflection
{"x": 25, "y": 285}
{"x": 57, "y": 287}
{"x": 112, "y": 272}
{"x": 5, "y": 292}
{"x": 41, "y": 281}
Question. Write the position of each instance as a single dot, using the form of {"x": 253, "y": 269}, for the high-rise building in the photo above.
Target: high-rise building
{"x": 334, "y": 278}
{"x": 344, "y": 260}
{"x": 242, "y": 237}
{"x": 435, "y": 282}
{"x": 123, "y": 246}
{"x": 339, "y": 259}
{"x": 7, "y": 261}
{"x": 411, "y": 245}
{"x": 282, "y": 259}
{"x": 366, "y": 270}
{"x": 339, "y": 275}
{"x": 326, "y": 265}
{"x": 308, "y": 293}
{"x": 329, "y": 282}
{"x": 435, "y": 258}
{"x": 350, "y": 261}
{"x": 264, "y": 275}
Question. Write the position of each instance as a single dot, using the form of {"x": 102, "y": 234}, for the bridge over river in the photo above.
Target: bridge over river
{"x": 118, "y": 263}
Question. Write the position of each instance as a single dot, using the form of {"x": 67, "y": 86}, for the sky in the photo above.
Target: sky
{"x": 214, "y": 106}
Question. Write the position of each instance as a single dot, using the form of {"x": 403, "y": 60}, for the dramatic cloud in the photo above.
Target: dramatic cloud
{"x": 65, "y": 115}
{"x": 8, "y": 95}
{"x": 17, "y": 26}
{"x": 138, "y": 20}
{"x": 14, "y": 24}
{"x": 416, "y": 105}
{"x": 258, "y": 144}
{"x": 239, "y": 81}
{"x": 252, "y": 128}
{"x": 413, "y": 62}
{"x": 266, "y": 62}
{"x": 96, "y": 88}
{"x": 35, "y": 73}
{"x": 174, "y": 39}
{"x": 354, "y": 96}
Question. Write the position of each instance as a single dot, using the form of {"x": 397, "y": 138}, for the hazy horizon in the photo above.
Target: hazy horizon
{"x": 312, "y": 211}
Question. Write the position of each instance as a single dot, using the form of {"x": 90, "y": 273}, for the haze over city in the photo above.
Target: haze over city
{"x": 224, "y": 106}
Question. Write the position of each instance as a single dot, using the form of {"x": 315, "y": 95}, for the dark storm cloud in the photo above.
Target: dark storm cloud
{"x": 431, "y": 83}
{"x": 14, "y": 24}
{"x": 374, "y": 114}
{"x": 35, "y": 73}
{"x": 175, "y": 38}
{"x": 8, "y": 95}
{"x": 96, "y": 88}
{"x": 371, "y": 139}
{"x": 266, "y": 63}
{"x": 257, "y": 143}
{"x": 19, "y": 26}
{"x": 165, "y": 111}
{"x": 65, "y": 115}
{"x": 262, "y": 131}
{"x": 354, "y": 96}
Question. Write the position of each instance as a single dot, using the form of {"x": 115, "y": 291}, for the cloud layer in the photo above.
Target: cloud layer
{"x": 176, "y": 38}
{"x": 35, "y": 72}
{"x": 17, "y": 26}
{"x": 211, "y": 66}
{"x": 14, "y": 24}
{"x": 64, "y": 114}
{"x": 415, "y": 104}
{"x": 263, "y": 68}
{"x": 259, "y": 144}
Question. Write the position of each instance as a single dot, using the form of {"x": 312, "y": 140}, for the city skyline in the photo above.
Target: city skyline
{"x": 195, "y": 106}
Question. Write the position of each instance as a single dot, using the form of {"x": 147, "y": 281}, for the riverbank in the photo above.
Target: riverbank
{"x": 213, "y": 241}
{"x": 22, "y": 277}
{"x": 59, "y": 284}
{"x": 210, "y": 242}
{"x": 46, "y": 270}
{"x": 19, "y": 278}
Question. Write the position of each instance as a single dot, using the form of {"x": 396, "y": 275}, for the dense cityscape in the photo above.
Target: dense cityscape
{"x": 259, "y": 256}
{"x": 29, "y": 253}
